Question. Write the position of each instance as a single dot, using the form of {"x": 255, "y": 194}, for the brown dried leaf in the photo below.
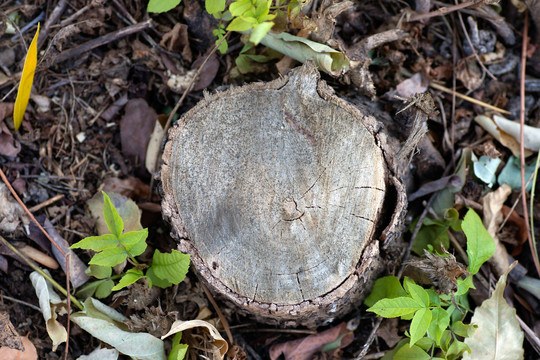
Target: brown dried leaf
{"x": 305, "y": 348}
{"x": 6, "y": 109}
{"x": 177, "y": 40}
{"x": 509, "y": 231}
{"x": 218, "y": 341}
{"x": 325, "y": 19}
{"x": 469, "y": 74}
{"x": 130, "y": 187}
{"x": 414, "y": 85}
{"x": 11, "y": 212}
{"x": 8, "y": 146}
{"x": 8, "y": 335}
{"x": 208, "y": 72}
{"x": 388, "y": 331}
{"x": 135, "y": 129}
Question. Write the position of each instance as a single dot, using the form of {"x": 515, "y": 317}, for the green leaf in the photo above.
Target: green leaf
{"x": 131, "y": 276}
{"x": 260, "y": 31}
{"x": 417, "y": 292}
{"x": 420, "y": 324}
{"x": 410, "y": 353}
{"x": 480, "y": 245}
{"x": 461, "y": 329}
{"x": 385, "y": 287}
{"x": 238, "y": 8}
{"x": 464, "y": 285}
{"x": 434, "y": 233}
{"x": 214, "y": 6}
{"x": 113, "y": 220}
{"x": 25, "y": 84}
{"x": 395, "y": 307}
{"x": 242, "y": 24}
{"x": 434, "y": 298}
{"x": 457, "y": 349}
{"x": 97, "y": 243}
{"x": 99, "y": 272}
{"x": 171, "y": 266}
{"x": 159, "y": 6}
{"x": 135, "y": 241}
{"x": 439, "y": 323}
{"x": 153, "y": 280}
{"x": 178, "y": 351}
{"x": 104, "y": 288}
{"x": 425, "y": 343}
{"x": 109, "y": 257}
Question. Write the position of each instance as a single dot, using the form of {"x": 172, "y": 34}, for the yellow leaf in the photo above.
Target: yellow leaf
{"x": 25, "y": 85}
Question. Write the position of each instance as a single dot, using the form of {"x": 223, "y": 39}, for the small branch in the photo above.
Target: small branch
{"x": 534, "y": 251}
{"x": 92, "y": 44}
{"x": 444, "y": 10}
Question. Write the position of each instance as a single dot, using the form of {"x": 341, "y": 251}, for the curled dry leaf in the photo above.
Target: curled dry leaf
{"x": 507, "y": 133}
{"x": 325, "y": 19}
{"x": 305, "y": 348}
{"x": 218, "y": 341}
{"x": 177, "y": 40}
{"x": 492, "y": 204}
{"x": 469, "y": 74}
{"x": 50, "y": 303}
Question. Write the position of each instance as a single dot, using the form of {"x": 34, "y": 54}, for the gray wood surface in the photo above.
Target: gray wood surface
{"x": 278, "y": 189}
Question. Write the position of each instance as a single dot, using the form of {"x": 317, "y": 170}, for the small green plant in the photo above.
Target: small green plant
{"x": 112, "y": 249}
{"x": 436, "y": 319}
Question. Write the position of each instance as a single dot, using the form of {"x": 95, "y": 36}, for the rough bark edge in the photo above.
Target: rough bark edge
{"x": 354, "y": 288}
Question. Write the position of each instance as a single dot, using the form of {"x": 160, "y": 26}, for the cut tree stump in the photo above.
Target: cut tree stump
{"x": 281, "y": 192}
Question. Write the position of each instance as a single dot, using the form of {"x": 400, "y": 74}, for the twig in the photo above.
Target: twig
{"x": 179, "y": 103}
{"x": 534, "y": 251}
{"x": 444, "y": 10}
{"x": 467, "y": 98}
{"x": 41, "y": 272}
{"x": 221, "y": 317}
{"x": 473, "y": 49}
{"x": 20, "y": 302}
{"x": 46, "y": 203}
{"x": 55, "y": 15}
{"x": 8, "y": 184}
{"x": 92, "y": 44}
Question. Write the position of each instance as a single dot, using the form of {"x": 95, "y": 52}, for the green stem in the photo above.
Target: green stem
{"x": 42, "y": 273}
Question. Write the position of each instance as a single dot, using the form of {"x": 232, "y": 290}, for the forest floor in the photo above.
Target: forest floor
{"x": 109, "y": 74}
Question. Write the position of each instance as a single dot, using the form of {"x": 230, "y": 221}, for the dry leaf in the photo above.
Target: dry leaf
{"x": 177, "y": 40}
{"x": 469, "y": 74}
{"x": 531, "y": 135}
{"x": 498, "y": 335}
{"x": 29, "y": 353}
{"x": 9, "y": 147}
{"x": 305, "y": 348}
{"x": 135, "y": 129}
{"x": 218, "y": 341}
{"x": 504, "y": 138}
{"x": 412, "y": 86}
{"x": 8, "y": 335}
{"x": 49, "y": 303}
{"x": 25, "y": 85}
{"x": 493, "y": 217}
{"x": 154, "y": 146}
{"x": 11, "y": 212}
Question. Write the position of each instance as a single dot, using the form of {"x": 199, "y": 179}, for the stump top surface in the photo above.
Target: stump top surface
{"x": 278, "y": 189}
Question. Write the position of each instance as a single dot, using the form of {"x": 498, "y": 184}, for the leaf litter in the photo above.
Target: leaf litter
{"x": 94, "y": 95}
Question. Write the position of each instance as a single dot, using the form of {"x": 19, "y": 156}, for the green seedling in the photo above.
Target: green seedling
{"x": 117, "y": 247}
{"x": 436, "y": 326}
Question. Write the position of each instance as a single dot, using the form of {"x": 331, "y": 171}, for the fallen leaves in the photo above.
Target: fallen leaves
{"x": 305, "y": 348}
{"x": 217, "y": 341}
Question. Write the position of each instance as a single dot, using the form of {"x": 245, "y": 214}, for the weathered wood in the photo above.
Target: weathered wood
{"x": 277, "y": 190}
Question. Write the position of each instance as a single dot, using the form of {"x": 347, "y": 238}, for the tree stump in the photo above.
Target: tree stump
{"x": 281, "y": 192}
